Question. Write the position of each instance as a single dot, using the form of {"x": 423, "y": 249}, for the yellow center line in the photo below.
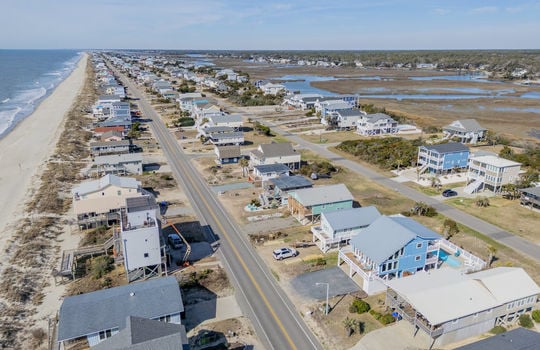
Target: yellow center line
{"x": 236, "y": 253}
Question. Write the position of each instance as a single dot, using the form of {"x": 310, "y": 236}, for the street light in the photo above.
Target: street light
{"x": 327, "y": 290}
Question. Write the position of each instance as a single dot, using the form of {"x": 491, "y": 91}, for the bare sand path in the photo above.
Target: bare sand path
{"x": 25, "y": 149}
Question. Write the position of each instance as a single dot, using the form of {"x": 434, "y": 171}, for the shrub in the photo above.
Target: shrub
{"x": 100, "y": 266}
{"x": 497, "y": 330}
{"x": 525, "y": 321}
{"x": 536, "y": 315}
{"x": 359, "y": 306}
{"x": 376, "y": 315}
{"x": 386, "y": 319}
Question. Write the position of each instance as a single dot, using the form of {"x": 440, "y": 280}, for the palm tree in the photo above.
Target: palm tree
{"x": 244, "y": 163}
{"x": 350, "y": 324}
{"x": 435, "y": 182}
{"x": 482, "y": 202}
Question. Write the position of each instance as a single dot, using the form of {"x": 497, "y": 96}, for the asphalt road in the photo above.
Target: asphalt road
{"x": 485, "y": 228}
{"x": 276, "y": 321}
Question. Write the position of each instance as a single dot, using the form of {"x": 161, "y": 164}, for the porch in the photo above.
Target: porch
{"x": 371, "y": 283}
{"x": 325, "y": 241}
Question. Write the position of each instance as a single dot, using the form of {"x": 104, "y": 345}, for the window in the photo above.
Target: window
{"x": 146, "y": 255}
{"x": 165, "y": 318}
{"x": 419, "y": 245}
{"x": 119, "y": 192}
{"x": 105, "y": 334}
{"x": 417, "y": 258}
{"x": 395, "y": 265}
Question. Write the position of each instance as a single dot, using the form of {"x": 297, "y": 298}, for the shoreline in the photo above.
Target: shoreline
{"x": 27, "y": 146}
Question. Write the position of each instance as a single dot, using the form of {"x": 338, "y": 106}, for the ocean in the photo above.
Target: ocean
{"x": 27, "y": 77}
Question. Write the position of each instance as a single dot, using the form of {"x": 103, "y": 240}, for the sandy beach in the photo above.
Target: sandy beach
{"x": 25, "y": 149}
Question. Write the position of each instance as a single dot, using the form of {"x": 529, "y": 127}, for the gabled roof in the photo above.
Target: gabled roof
{"x": 226, "y": 118}
{"x": 218, "y": 129}
{"x": 351, "y": 218}
{"x": 350, "y": 113}
{"x": 322, "y": 195}
{"x": 111, "y": 133}
{"x": 107, "y": 180}
{"x": 495, "y": 161}
{"x": 227, "y": 135}
{"x": 282, "y": 149}
{"x": 285, "y": 183}
{"x": 450, "y": 147}
{"x": 110, "y": 143}
{"x": 228, "y": 152}
{"x": 118, "y": 158}
{"x": 145, "y": 334}
{"x": 515, "y": 339}
{"x": 373, "y": 118}
{"x": 463, "y": 295}
{"x": 465, "y": 125}
{"x": 84, "y": 314}
{"x": 394, "y": 231}
{"x": 272, "y": 168}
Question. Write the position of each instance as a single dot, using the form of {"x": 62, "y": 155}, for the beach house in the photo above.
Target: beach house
{"x": 110, "y": 147}
{"x": 272, "y": 89}
{"x": 272, "y": 153}
{"x": 442, "y": 158}
{"x": 376, "y": 124}
{"x": 98, "y": 202}
{"x": 100, "y": 315}
{"x": 451, "y": 306}
{"x": 121, "y": 164}
{"x": 346, "y": 119}
{"x": 307, "y": 205}
{"x": 143, "y": 333}
{"x": 231, "y": 120}
{"x": 112, "y": 136}
{"x": 341, "y": 225}
{"x": 279, "y": 187}
{"x": 465, "y": 130}
{"x": 227, "y": 154}
{"x": 262, "y": 173}
{"x": 139, "y": 242}
{"x": 490, "y": 172}
{"x": 515, "y": 339}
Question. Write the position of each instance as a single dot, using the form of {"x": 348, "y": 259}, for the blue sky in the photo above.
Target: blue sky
{"x": 243, "y": 24}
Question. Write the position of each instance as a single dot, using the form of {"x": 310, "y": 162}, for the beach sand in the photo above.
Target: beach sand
{"x": 25, "y": 149}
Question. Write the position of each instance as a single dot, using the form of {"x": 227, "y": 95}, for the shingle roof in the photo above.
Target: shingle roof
{"x": 285, "y": 183}
{"x": 96, "y": 185}
{"x": 112, "y": 133}
{"x": 227, "y": 135}
{"x": 372, "y": 118}
{"x": 217, "y": 129}
{"x": 351, "y": 218}
{"x": 450, "y": 147}
{"x": 531, "y": 190}
{"x": 272, "y": 168}
{"x": 228, "y": 151}
{"x": 227, "y": 118}
{"x": 515, "y": 339}
{"x": 463, "y": 294}
{"x": 84, "y": 314}
{"x": 350, "y": 112}
{"x": 467, "y": 125}
{"x": 323, "y": 194}
{"x": 270, "y": 150}
{"x": 110, "y": 143}
{"x": 394, "y": 231}
{"x": 118, "y": 158}
{"x": 145, "y": 334}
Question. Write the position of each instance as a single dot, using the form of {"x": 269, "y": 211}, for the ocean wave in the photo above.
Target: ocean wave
{"x": 6, "y": 100}
{"x": 29, "y": 96}
{"x": 7, "y": 118}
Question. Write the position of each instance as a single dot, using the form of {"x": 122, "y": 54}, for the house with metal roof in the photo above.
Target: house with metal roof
{"x": 451, "y": 306}
{"x": 262, "y": 173}
{"x": 100, "y": 315}
{"x": 228, "y": 154}
{"x": 232, "y": 120}
{"x": 530, "y": 197}
{"x": 442, "y": 158}
{"x": 98, "y": 202}
{"x": 279, "y": 187}
{"x": 490, "y": 172}
{"x": 307, "y": 204}
{"x": 396, "y": 246}
{"x": 341, "y": 225}
{"x": 226, "y": 138}
{"x": 516, "y": 339}
{"x": 273, "y": 153}
{"x": 346, "y": 119}
{"x": 376, "y": 124}
{"x": 465, "y": 130}
{"x": 146, "y": 334}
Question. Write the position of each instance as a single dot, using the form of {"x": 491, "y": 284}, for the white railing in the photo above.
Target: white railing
{"x": 472, "y": 261}
{"x": 365, "y": 275}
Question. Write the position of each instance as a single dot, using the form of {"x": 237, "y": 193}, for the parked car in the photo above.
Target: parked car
{"x": 174, "y": 241}
{"x": 284, "y": 253}
{"x": 449, "y": 193}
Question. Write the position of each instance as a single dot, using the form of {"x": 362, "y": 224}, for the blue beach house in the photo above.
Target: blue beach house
{"x": 391, "y": 247}
{"x": 442, "y": 158}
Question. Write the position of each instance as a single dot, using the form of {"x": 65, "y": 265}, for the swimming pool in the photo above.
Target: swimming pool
{"x": 449, "y": 259}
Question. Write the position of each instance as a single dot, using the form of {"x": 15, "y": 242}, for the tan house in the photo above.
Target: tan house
{"x": 98, "y": 202}
{"x": 490, "y": 172}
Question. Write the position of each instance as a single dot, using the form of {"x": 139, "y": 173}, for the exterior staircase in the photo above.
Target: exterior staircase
{"x": 473, "y": 186}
